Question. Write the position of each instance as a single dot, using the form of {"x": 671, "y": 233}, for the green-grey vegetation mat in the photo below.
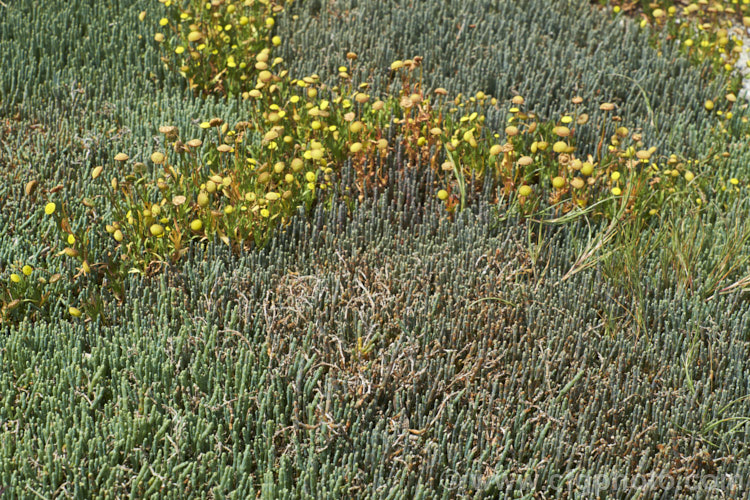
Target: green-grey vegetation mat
{"x": 385, "y": 351}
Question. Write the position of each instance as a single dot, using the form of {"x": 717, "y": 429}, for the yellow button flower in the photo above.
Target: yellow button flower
{"x": 524, "y": 190}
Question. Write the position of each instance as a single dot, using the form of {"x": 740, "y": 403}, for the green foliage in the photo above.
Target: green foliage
{"x": 220, "y": 47}
{"x": 382, "y": 341}
{"x": 703, "y": 31}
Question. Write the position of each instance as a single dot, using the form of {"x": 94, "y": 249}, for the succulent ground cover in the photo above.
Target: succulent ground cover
{"x": 373, "y": 249}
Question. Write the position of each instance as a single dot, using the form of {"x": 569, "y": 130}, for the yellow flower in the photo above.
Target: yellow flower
{"x": 27, "y": 270}
{"x": 558, "y": 182}
{"x": 156, "y": 230}
{"x": 163, "y": 21}
{"x": 276, "y": 41}
{"x": 689, "y": 176}
{"x": 15, "y": 278}
{"x": 71, "y": 239}
{"x": 50, "y": 208}
{"x": 265, "y": 213}
{"x": 616, "y": 191}
{"x": 442, "y": 194}
{"x": 75, "y": 312}
{"x": 524, "y": 190}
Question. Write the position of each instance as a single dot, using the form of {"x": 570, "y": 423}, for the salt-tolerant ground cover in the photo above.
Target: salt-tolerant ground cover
{"x": 512, "y": 260}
